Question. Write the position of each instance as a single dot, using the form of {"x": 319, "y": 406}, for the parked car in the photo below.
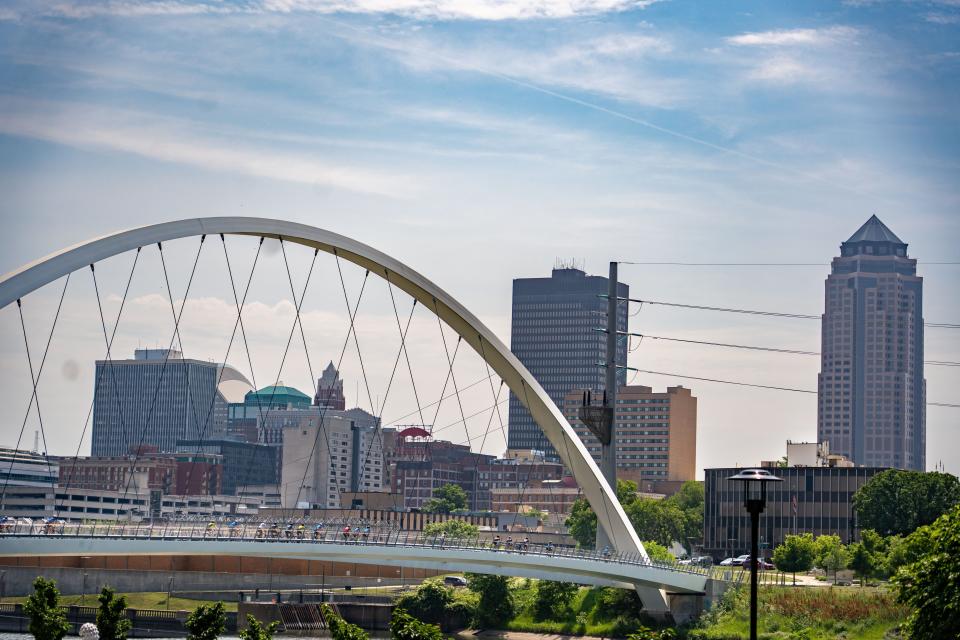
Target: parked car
{"x": 727, "y": 562}
{"x": 455, "y": 581}
{"x": 761, "y": 563}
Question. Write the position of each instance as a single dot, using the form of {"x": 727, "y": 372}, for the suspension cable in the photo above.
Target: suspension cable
{"x": 86, "y": 423}
{"x": 351, "y": 314}
{"x": 33, "y": 395}
{"x": 163, "y": 368}
{"x": 221, "y": 368}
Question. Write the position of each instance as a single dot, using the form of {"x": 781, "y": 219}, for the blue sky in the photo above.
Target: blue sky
{"x": 479, "y": 141}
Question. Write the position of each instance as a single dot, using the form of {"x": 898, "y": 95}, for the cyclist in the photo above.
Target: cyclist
{"x": 300, "y": 529}
{"x": 211, "y": 529}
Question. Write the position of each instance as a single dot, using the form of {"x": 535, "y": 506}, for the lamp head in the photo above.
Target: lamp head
{"x": 755, "y": 483}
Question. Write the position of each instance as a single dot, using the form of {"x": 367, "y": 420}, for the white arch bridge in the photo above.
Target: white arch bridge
{"x": 394, "y": 548}
{"x": 629, "y": 565}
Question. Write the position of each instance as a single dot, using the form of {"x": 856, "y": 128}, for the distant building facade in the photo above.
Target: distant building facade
{"x": 552, "y": 333}
{"x": 120, "y": 473}
{"x": 817, "y": 500}
{"x": 20, "y": 468}
{"x": 656, "y": 434}
{"x": 872, "y": 391}
{"x": 330, "y": 390}
{"x": 157, "y": 398}
{"x": 324, "y": 457}
{"x": 244, "y": 463}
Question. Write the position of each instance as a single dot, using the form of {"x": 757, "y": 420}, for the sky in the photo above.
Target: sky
{"x": 477, "y": 141}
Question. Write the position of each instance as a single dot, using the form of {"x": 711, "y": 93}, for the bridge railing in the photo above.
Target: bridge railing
{"x": 300, "y": 533}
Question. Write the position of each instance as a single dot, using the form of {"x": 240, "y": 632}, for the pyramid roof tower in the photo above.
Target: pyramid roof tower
{"x": 870, "y": 237}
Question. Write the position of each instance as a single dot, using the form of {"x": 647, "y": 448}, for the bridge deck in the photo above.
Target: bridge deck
{"x": 395, "y": 548}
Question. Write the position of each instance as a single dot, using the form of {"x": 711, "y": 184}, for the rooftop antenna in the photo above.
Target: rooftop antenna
{"x": 36, "y": 441}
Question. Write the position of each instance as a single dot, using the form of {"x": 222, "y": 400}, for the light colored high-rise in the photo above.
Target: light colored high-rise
{"x": 656, "y": 434}
{"x": 872, "y": 392}
{"x": 158, "y": 398}
{"x": 321, "y": 462}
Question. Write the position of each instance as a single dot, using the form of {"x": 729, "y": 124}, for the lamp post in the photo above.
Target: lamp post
{"x": 754, "y": 500}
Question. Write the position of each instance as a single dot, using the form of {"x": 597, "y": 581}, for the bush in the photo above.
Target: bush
{"x": 47, "y": 620}
{"x": 206, "y": 622}
{"x": 403, "y": 626}
{"x": 931, "y": 585}
{"x": 496, "y": 605}
{"x": 553, "y": 599}
{"x": 340, "y": 629}
{"x": 257, "y": 631}
{"x": 429, "y": 602}
{"x": 111, "y": 619}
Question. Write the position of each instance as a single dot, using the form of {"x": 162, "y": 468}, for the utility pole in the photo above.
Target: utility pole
{"x": 601, "y": 421}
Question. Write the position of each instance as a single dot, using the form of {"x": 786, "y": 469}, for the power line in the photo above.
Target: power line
{"x": 941, "y": 363}
{"x": 745, "y": 384}
{"x": 753, "y": 264}
{"x": 777, "y": 314}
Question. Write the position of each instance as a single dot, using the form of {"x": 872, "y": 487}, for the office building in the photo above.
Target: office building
{"x": 20, "y": 468}
{"x": 656, "y": 435}
{"x": 244, "y": 463}
{"x": 147, "y": 471}
{"x": 323, "y": 459}
{"x": 817, "y": 500}
{"x": 553, "y": 333}
{"x": 157, "y": 398}
{"x": 872, "y": 392}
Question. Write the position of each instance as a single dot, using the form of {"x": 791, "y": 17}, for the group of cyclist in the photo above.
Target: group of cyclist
{"x": 290, "y": 531}
{"x": 519, "y": 545}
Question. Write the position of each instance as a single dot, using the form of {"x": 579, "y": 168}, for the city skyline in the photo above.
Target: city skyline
{"x": 478, "y": 146}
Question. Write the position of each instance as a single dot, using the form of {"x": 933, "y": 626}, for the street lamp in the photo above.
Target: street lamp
{"x": 754, "y": 499}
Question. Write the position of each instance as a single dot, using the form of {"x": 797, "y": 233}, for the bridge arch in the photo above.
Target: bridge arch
{"x": 547, "y": 415}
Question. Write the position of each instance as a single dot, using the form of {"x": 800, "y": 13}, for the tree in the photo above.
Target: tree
{"x": 451, "y": 530}
{"x": 258, "y": 631}
{"x": 206, "y": 622}
{"x": 897, "y": 502}
{"x": 496, "y": 604}
{"x": 931, "y": 586}
{"x": 47, "y": 620}
{"x": 690, "y": 500}
{"x": 658, "y": 552}
{"x": 831, "y": 555}
{"x": 795, "y": 554}
{"x": 863, "y": 563}
{"x": 403, "y": 626}
{"x": 112, "y": 622}
{"x": 582, "y": 524}
{"x": 553, "y": 599}
{"x": 661, "y": 521}
{"x": 447, "y": 499}
{"x": 340, "y": 629}
{"x": 429, "y": 602}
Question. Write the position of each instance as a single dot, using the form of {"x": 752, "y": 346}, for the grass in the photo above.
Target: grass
{"x": 802, "y": 613}
{"x": 142, "y": 600}
{"x": 584, "y": 617}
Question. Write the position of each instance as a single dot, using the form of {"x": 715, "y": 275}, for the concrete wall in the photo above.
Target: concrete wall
{"x": 17, "y": 581}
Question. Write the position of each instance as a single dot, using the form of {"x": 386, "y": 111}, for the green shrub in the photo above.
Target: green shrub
{"x": 206, "y": 622}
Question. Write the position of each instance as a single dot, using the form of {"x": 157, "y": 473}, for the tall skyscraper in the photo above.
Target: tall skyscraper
{"x": 156, "y": 399}
{"x": 872, "y": 393}
{"x": 553, "y": 334}
{"x": 330, "y": 390}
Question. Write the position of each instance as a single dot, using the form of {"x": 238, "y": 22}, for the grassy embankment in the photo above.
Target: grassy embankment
{"x": 801, "y": 613}
{"x": 824, "y": 613}
{"x": 143, "y": 600}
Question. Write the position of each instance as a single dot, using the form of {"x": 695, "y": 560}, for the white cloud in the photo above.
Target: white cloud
{"x": 795, "y": 37}
{"x": 168, "y": 140}
{"x": 942, "y": 18}
{"x": 483, "y": 10}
